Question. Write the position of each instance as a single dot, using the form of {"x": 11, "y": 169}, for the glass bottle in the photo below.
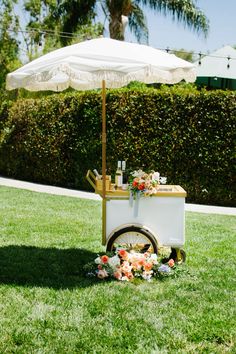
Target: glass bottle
{"x": 118, "y": 175}
{"x": 125, "y": 176}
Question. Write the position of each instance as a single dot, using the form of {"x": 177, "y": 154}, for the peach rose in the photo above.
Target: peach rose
{"x": 148, "y": 266}
{"x": 171, "y": 263}
{"x": 129, "y": 276}
{"x": 117, "y": 275}
{"x": 136, "y": 266}
{"x": 123, "y": 254}
{"x": 141, "y": 262}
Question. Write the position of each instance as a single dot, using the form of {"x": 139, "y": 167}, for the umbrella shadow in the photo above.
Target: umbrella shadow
{"x": 45, "y": 267}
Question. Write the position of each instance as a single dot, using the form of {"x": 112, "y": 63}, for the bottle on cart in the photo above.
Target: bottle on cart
{"x": 125, "y": 175}
{"x": 98, "y": 176}
{"x": 119, "y": 176}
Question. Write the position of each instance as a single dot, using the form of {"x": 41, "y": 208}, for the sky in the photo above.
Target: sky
{"x": 163, "y": 32}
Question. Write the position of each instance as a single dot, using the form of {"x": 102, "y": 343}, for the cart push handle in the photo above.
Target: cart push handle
{"x": 91, "y": 179}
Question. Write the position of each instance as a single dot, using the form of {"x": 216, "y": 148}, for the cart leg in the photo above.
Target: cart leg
{"x": 178, "y": 255}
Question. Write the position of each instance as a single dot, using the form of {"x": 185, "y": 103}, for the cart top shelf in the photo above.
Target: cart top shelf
{"x": 112, "y": 192}
{"x": 163, "y": 191}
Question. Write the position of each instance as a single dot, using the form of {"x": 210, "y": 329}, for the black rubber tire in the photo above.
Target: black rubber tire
{"x": 133, "y": 228}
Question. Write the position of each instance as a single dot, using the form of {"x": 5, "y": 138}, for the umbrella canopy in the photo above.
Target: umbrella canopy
{"x": 84, "y": 65}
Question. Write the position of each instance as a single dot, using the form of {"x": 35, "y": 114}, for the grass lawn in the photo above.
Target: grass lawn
{"x": 48, "y": 306}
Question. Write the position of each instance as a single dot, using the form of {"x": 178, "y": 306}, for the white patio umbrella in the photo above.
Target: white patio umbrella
{"x": 100, "y": 63}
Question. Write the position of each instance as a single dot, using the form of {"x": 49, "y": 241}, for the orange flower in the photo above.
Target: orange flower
{"x": 171, "y": 263}
{"x": 141, "y": 262}
{"x": 104, "y": 259}
{"x": 123, "y": 254}
{"x": 141, "y": 187}
{"x": 148, "y": 266}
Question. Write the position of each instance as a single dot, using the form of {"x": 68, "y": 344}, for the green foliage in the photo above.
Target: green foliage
{"x": 8, "y": 43}
{"x": 64, "y": 22}
{"x": 183, "y": 54}
{"x": 185, "y": 134}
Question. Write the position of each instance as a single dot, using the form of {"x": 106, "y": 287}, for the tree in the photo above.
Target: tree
{"x": 8, "y": 44}
{"x": 183, "y": 54}
{"x": 184, "y": 11}
{"x": 56, "y": 23}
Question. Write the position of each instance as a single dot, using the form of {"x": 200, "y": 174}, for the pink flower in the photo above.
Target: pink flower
{"x": 171, "y": 263}
{"x": 102, "y": 274}
{"x": 126, "y": 267}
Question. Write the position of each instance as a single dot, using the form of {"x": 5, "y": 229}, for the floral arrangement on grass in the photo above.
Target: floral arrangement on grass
{"x": 142, "y": 183}
{"x": 125, "y": 266}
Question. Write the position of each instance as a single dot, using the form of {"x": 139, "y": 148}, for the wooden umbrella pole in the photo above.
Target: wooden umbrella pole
{"x": 104, "y": 139}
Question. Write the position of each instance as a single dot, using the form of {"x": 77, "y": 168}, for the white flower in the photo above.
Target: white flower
{"x": 135, "y": 257}
{"x": 98, "y": 260}
{"x": 153, "y": 258}
{"x": 124, "y": 278}
{"x": 138, "y": 173}
{"x": 114, "y": 261}
{"x": 147, "y": 275}
{"x": 156, "y": 176}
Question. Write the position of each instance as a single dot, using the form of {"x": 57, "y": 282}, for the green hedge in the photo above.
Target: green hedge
{"x": 186, "y": 135}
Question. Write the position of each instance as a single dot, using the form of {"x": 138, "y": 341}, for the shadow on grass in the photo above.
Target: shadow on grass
{"x": 45, "y": 267}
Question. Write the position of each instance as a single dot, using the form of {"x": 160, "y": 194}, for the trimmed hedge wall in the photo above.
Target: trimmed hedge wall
{"x": 186, "y": 135}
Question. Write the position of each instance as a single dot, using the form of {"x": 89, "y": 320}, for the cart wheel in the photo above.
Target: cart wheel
{"x": 178, "y": 255}
{"x": 133, "y": 238}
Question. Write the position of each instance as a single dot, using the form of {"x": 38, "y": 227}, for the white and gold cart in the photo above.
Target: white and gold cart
{"x": 147, "y": 223}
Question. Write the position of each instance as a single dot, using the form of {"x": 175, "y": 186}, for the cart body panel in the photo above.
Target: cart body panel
{"x": 163, "y": 216}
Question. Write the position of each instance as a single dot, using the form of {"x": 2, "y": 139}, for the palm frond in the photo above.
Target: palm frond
{"x": 138, "y": 24}
{"x": 184, "y": 11}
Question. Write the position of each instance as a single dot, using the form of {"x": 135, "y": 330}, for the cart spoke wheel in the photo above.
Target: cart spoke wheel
{"x": 133, "y": 238}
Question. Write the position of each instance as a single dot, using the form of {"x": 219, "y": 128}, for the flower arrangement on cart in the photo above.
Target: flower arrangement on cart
{"x": 145, "y": 184}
